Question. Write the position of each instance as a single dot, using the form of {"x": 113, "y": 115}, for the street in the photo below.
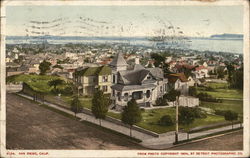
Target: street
{"x": 30, "y": 126}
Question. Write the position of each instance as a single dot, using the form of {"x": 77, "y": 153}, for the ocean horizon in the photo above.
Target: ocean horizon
{"x": 216, "y": 44}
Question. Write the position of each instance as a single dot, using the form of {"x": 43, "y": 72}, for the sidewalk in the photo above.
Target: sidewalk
{"x": 89, "y": 118}
{"x": 164, "y": 140}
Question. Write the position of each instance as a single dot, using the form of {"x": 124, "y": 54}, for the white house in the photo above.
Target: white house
{"x": 143, "y": 85}
{"x": 201, "y": 72}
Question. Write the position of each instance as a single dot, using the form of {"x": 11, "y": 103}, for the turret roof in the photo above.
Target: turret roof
{"x": 118, "y": 61}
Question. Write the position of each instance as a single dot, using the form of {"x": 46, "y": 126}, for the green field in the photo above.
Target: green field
{"x": 221, "y": 90}
{"x": 36, "y": 82}
{"x": 233, "y": 105}
{"x": 151, "y": 118}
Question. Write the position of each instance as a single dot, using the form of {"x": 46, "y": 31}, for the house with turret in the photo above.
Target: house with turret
{"x": 144, "y": 85}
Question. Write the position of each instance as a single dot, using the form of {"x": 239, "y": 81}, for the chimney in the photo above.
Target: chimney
{"x": 137, "y": 60}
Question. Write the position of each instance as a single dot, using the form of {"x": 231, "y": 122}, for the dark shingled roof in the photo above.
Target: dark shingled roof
{"x": 156, "y": 72}
{"x": 91, "y": 71}
{"x": 118, "y": 61}
{"x": 133, "y": 77}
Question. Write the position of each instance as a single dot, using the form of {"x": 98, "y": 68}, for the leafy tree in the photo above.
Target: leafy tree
{"x": 100, "y": 105}
{"x": 230, "y": 70}
{"x": 55, "y": 83}
{"x": 76, "y": 106}
{"x": 131, "y": 114}
{"x": 159, "y": 59}
{"x": 172, "y": 95}
{"x": 237, "y": 79}
{"x": 44, "y": 67}
{"x": 166, "y": 120}
{"x": 220, "y": 72}
{"x": 230, "y": 116}
{"x": 192, "y": 91}
{"x": 186, "y": 117}
{"x": 166, "y": 69}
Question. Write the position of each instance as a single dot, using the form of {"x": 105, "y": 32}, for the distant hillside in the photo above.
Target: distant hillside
{"x": 226, "y": 35}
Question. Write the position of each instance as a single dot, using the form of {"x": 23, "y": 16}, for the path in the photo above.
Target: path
{"x": 164, "y": 140}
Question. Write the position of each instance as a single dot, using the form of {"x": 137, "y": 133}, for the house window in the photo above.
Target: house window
{"x": 161, "y": 89}
{"x": 119, "y": 96}
{"x": 104, "y": 78}
{"x": 126, "y": 97}
{"x": 137, "y": 95}
{"x": 148, "y": 77}
{"x": 148, "y": 93}
{"x": 113, "y": 93}
{"x": 104, "y": 88}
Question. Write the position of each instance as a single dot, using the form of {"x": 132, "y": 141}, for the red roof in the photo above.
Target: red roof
{"x": 200, "y": 67}
{"x": 173, "y": 77}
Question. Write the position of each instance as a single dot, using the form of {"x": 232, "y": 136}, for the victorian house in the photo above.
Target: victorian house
{"x": 143, "y": 85}
{"x": 88, "y": 79}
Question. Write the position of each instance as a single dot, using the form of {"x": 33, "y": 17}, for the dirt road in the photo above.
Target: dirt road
{"x": 30, "y": 126}
{"x": 233, "y": 141}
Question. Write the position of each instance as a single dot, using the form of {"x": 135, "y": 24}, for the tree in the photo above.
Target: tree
{"x": 172, "y": 95}
{"x": 220, "y": 72}
{"x": 44, "y": 67}
{"x": 159, "y": 59}
{"x": 230, "y": 70}
{"x": 131, "y": 114}
{"x": 237, "y": 79}
{"x": 230, "y": 116}
{"x": 76, "y": 106}
{"x": 55, "y": 83}
{"x": 186, "y": 117}
{"x": 100, "y": 105}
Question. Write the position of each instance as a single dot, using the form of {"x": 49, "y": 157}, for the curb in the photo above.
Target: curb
{"x": 198, "y": 140}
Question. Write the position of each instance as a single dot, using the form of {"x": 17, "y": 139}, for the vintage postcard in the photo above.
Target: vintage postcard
{"x": 124, "y": 78}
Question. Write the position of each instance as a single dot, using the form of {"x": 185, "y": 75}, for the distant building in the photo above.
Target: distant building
{"x": 178, "y": 82}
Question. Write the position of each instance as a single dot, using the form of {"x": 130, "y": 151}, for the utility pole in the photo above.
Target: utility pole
{"x": 176, "y": 119}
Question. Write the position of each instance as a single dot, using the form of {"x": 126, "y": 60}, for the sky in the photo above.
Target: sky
{"x": 194, "y": 21}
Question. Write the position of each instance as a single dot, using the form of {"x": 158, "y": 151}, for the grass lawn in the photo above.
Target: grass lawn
{"x": 85, "y": 102}
{"x": 222, "y": 91}
{"x": 151, "y": 118}
{"x": 233, "y": 105}
{"x": 37, "y": 82}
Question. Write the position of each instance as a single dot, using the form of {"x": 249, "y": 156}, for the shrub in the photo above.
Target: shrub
{"x": 166, "y": 120}
{"x": 220, "y": 112}
{"x": 198, "y": 113}
{"x": 161, "y": 102}
{"x": 67, "y": 91}
{"x": 210, "y": 89}
{"x": 207, "y": 97}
